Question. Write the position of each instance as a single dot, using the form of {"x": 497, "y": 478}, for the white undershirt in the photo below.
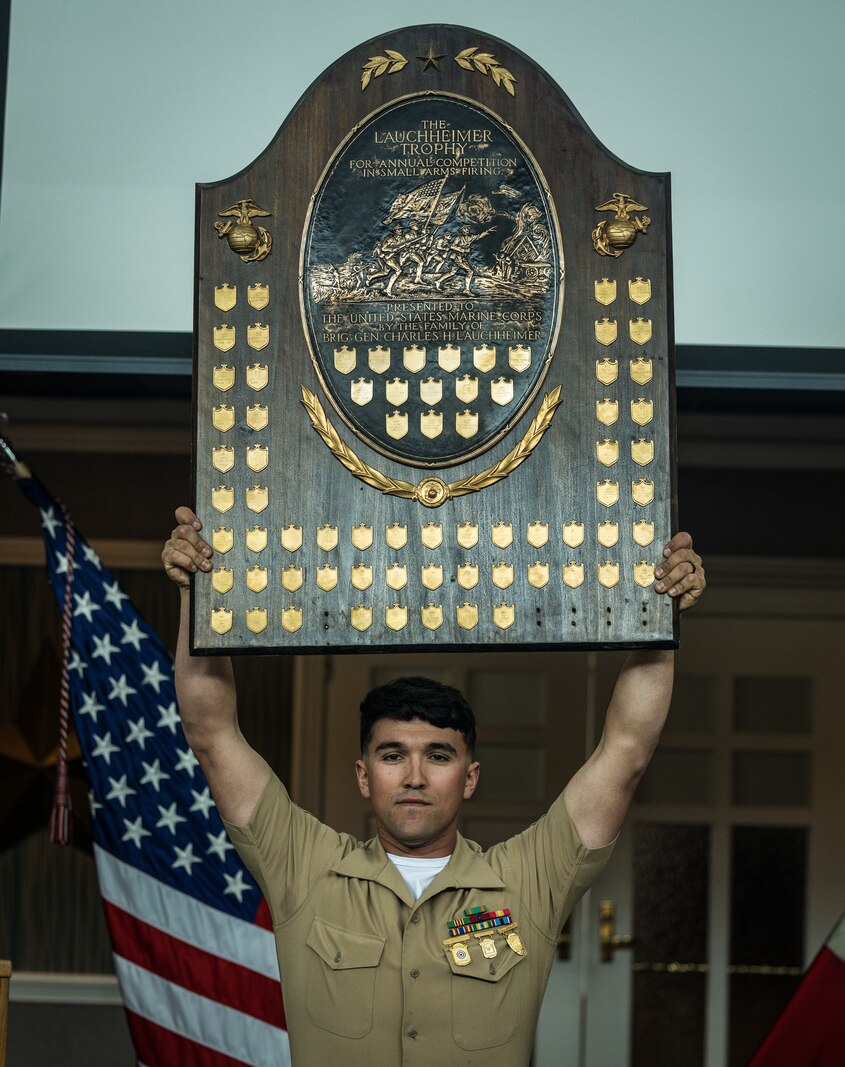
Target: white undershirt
{"x": 418, "y": 873}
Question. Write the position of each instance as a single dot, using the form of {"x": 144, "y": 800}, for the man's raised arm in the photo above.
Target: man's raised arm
{"x": 598, "y": 795}
{"x": 205, "y": 690}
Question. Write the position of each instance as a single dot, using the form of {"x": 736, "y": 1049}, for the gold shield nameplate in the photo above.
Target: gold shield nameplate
{"x": 327, "y": 537}
{"x": 642, "y": 411}
{"x": 361, "y": 576}
{"x": 292, "y": 538}
{"x": 223, "y": 418}
{"x": 608, "y": 574}
{"x": 607, "y": 452}
{"x": 502, "y": 534}
{"x": 606, "y": 331}
{"x": 431, "y": 391}
{"x": 467, "y": 574}
{"x": 607, "y": 492}
{"x": 640, "y": 330}
{"x": 504, "y": 615}
{"x": 538, "y": 574}
{"x": 573, "y": 534}
{"x": 396, "y": 617}
{"x": 396, "y": 536}
{"x": 432, "y": 616}
{"x": 519, "y": 358}
{"x": 605, "y": 291}
{"x": 361, "y": 618}
{"x": 431, "y": 534}
{"x": 466, "y": 423}
{"x": 292, "y": 578}
{"x": 223, "y": 498}
{"x": 607, "y": 411}
{"x": 345, "y": 360}
{"x": 222, "y": 580}
{"x": 223, "y": 377}
{"x": 222, "y": 539}
{"x": 396, "y": 425}
{"x": 640, "y": 370}
{"x": 639, "y": 291}
{"x": 256, "y": 579}
{"x": 258, "y": 336}
{"x": 503, "y": 575}
{"x": 396, "y": 576}
{"x": 221, "y": 621}
{"x": 257, "y": 497}
{"x": 257, "y": 417}
{"x": 573, "y": 574}
{"x": 642, "y": 451}
{"x": 225, "y": 296}
{"x": 396, "y": 391}
{"x": 466, "y": 389}
{"x": 256, "y": 457}
{"x": 256, "y": 620}
{"x": 413, "y": 358}
{"x": 224, "y": 338}
{"x": 484, "y": 358}
{"x": 292, "y": 620}
{"x": 223, "y": 458}
{"x": 537, "y": 534}
{"x": 361, "y": 391}
{"x": 607, "y": 370}
{"x": 326, "y": 577}
{"x": 362, "y": 537}
{"x": 644, "y": 573}
{"x": 642, "y": 492}
{"x": 501, "y": 391}
{"x": 257, "y": 376}
{"x": 449, "y": 357}
{"x": 431, "y": 424}
{"x": 379, "y": 359}
{"x": 432, "y": 575}
{"x": 608, "y": 534}
{"x": 643, "y": 533}
{"x": 258, "y": 296}
{"x": 467, "y": 615}
{"x": 468, "y": 534}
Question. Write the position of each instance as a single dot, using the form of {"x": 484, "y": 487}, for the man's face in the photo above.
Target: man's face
{"x": 416, "y": 776}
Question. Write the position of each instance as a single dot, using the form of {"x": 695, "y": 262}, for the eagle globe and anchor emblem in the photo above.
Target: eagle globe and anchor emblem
{"x": 612, "y": 236}
{"x": 251, "y": 243}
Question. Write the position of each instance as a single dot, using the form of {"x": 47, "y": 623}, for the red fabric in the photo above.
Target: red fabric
{"x": 157, "y": 1047}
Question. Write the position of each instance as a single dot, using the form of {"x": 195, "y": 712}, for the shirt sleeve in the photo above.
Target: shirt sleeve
{"x": 285, "y": 848}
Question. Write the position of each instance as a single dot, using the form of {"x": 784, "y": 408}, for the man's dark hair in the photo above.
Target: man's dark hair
{"x": 418, "y": 698}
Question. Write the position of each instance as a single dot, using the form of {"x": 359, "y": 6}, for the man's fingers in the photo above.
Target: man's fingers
{"x": 676, "y": 569}
{"x": 184, "y": 516}
{"x": 681, "y": 540}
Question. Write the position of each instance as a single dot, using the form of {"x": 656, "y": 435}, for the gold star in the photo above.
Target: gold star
{"x": 431, "y": 60}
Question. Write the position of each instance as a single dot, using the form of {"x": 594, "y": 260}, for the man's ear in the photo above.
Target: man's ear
{"x": 471, "y": 781}
{"x": 363, "y": 779}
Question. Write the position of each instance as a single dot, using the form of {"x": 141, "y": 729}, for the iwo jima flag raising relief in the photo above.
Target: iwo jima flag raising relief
{"x": 434, "y": 371}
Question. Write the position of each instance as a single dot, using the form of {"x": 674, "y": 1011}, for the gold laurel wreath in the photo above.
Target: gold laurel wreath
{"x": 485, "y": 63}
{"x": 431, "y": 491}
{"x": 389, "y": 63}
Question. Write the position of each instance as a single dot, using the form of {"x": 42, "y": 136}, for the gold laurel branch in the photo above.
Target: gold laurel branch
{"x": 485, "y": 63}
{"x": 424, "y": 492}
{"x": 389, "y": 63}
{"x": 539, "y": 424}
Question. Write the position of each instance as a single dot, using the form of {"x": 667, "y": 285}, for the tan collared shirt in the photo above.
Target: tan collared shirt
{"x": 366, "y": 977}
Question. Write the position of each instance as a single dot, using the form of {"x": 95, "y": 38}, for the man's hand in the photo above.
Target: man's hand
{"x": 185, "y": 552}
{"x": 681, "y": 575}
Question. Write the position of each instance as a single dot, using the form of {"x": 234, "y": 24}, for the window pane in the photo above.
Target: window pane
{"x": 771, "y": 779}
{"x": 773, "y": 705}
{"x": 693, "y": 704}
{"x": 678, "y": 776}
{"x": 510, "y": 775}
{"x": 500, "y": 697}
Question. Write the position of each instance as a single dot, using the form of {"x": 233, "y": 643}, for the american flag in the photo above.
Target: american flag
{"x": 190, "y": 932}
{"x": 426, "y": 203}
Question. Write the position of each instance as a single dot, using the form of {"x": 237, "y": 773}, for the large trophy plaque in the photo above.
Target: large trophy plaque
{"x": 434, "y": 369}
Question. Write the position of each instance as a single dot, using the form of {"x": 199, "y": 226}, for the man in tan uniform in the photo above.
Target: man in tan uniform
{"x": 417, "y": 948}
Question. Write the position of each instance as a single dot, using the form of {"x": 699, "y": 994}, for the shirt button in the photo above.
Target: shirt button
{"x": 415, "y": 917}
{"x": 415, "y": 973}
{"x": 412, "y": 1033}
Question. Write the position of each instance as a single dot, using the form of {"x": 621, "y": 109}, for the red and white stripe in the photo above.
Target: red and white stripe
{"x": 201, "y": 988}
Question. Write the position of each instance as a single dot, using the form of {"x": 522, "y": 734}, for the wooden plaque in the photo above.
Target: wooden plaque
{"x": 434, "y": 368}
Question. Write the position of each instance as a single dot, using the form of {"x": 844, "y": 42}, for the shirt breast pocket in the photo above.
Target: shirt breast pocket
{"x": 342, "y": 978}
{"x": 486, "y": 1005}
